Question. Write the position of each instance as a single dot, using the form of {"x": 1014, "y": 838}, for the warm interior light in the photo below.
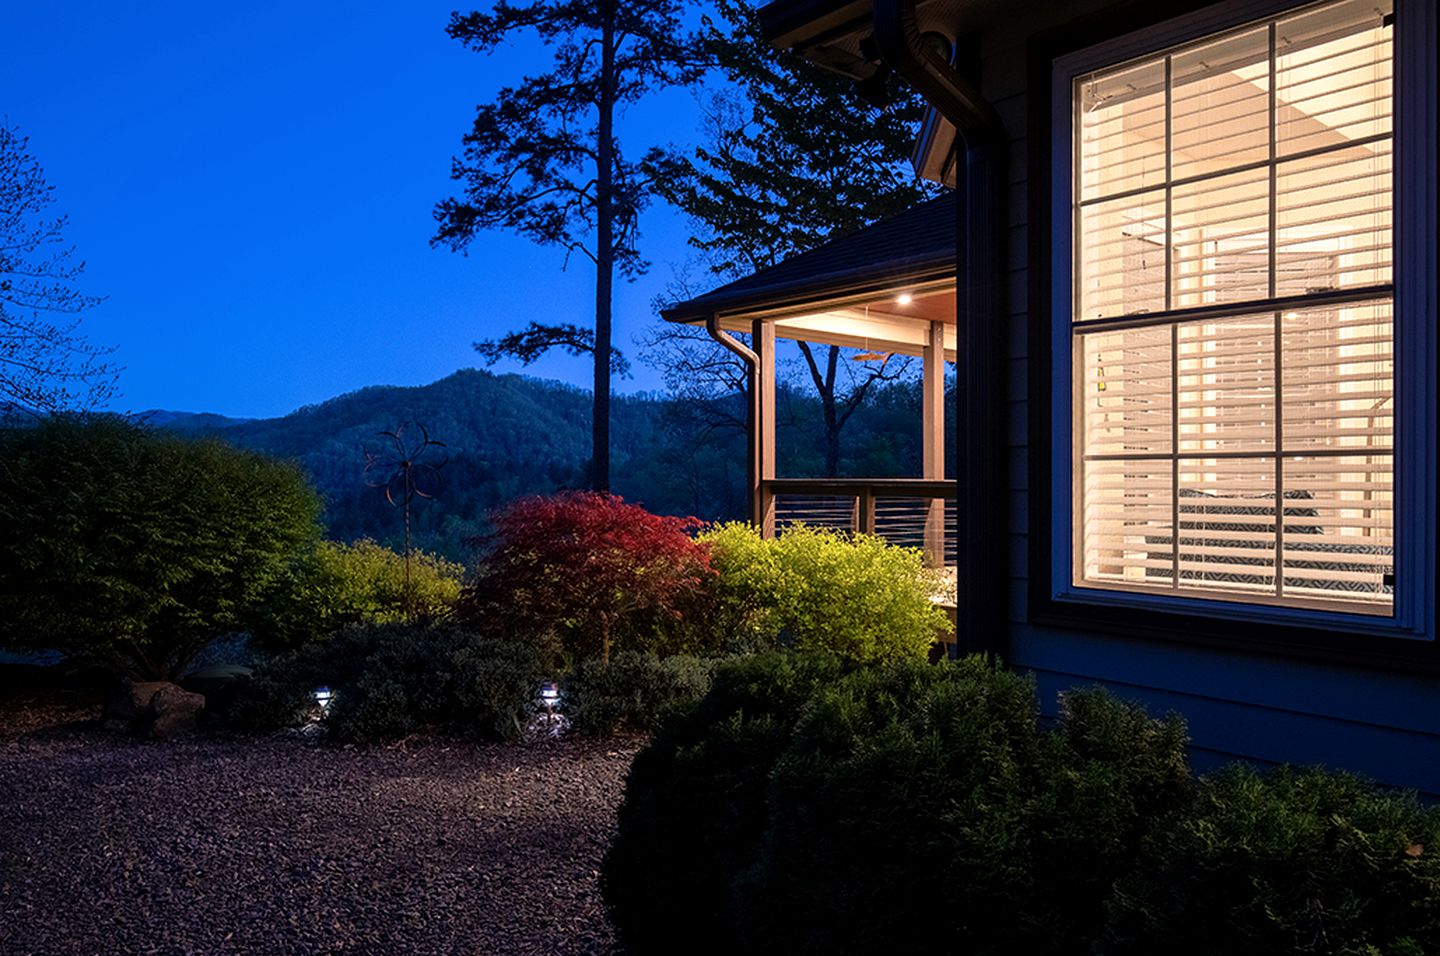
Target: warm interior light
{"x": 904, "y": 298}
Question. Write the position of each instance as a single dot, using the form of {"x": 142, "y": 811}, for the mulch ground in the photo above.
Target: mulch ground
{"x": 207, "y": 844}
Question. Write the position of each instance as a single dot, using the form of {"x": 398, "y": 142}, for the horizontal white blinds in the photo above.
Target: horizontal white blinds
{"x": 1245, "y": 454}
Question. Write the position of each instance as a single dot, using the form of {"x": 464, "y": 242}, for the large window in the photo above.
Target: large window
{"x": 1232, "y": 380}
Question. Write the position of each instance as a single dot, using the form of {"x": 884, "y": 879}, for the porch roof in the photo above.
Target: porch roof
{"x": 844, "y": 292}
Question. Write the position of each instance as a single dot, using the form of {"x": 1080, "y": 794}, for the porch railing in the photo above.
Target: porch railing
{"x": 913, "y": 512}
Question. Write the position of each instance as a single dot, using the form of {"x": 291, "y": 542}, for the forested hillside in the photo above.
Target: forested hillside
{"x": 510, "y": 435}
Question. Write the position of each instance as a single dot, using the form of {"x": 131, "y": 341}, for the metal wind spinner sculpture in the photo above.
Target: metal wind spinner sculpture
{"x": 406, "y": 469}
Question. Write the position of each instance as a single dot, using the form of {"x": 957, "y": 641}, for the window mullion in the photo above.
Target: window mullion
{"x": 1174, "y": 327}
{"x": 1279, "y": 373}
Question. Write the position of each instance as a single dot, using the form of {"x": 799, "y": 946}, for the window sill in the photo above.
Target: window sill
{"x": 1362, "y": 640}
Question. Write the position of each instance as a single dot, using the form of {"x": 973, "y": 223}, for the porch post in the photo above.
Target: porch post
{"x": 762, "y": 437}
{"x": 932, "y": 442}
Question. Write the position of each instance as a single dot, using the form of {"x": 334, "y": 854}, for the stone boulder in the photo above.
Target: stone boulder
{"x": 155, "y": 709}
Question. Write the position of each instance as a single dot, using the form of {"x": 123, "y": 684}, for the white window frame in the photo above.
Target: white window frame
{"x": 1414, "y": 237}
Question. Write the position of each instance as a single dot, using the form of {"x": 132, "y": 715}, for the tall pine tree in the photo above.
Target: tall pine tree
{"x": 791, "y": 161}
{"x": 543, "y": 159}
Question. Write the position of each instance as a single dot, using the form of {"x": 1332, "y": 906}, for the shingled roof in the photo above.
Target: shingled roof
{"x": 916, "y": 245}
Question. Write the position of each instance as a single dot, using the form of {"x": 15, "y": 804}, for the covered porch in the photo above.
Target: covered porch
{"x": 887, "y": 290}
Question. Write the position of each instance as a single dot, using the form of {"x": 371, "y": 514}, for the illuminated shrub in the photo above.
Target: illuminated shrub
{"x": 341, "y": 585}
{"x": 591, "y": 569}
{"x": 855, "y": 596}
{"x": 393, "y": 680}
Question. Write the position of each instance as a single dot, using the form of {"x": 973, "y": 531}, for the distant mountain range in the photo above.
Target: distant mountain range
{"x": 511, "y": 435}
{"x": 187, "y": 421}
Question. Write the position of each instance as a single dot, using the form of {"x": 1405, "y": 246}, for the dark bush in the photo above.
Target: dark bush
{"x": 633, "y": 691}
{"x": 393, "y": 680}
{"x": 1109, "y": 775}
{"x": 801, "y": 808}
{"x": 896, "y": 817}
{"x": 132, "y": 548}
{"x": 694, "y": 805}
{"x": 1299, "y": 861}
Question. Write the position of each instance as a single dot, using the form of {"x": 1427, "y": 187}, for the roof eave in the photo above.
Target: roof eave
{"x": 815, "y": 290}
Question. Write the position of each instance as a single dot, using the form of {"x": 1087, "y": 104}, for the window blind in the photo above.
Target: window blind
{"x": 1232, "y": 326}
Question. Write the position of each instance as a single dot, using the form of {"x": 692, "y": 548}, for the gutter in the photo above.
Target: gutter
{"x": 748, "y": 356}
{"x": 981, "y": 545}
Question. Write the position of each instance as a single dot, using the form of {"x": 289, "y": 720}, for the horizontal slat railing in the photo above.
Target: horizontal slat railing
{"x": 911, "y": 512}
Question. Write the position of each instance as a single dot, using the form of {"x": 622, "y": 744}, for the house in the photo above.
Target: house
{"x": 1195, "y": 342}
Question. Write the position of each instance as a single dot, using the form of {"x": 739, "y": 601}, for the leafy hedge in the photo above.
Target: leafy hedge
{"x": 393, "y": 680}
{"x": 341, "y": 585}
{"x": 694, "y": 806}
{"x": 854, "y": 596}
{"x": 1297, "y": 861}
{"x": 633, "y": 691}
{"x": 808, "y": 807}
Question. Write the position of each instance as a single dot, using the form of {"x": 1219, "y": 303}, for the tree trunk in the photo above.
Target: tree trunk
{"x": 604, "y": 255}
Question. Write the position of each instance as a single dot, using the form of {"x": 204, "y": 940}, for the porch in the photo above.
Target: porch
{"x": 886, "y": 291}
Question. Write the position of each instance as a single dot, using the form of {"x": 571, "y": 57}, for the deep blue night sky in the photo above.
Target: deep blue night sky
{"x": 251, "y": 187}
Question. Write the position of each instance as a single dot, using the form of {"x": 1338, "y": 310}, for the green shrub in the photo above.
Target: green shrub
{"x": 857, "y": 597}
{"x": 806, "y": 806}
{"x": 633, "y": 691}
{"x": 1299, "y": 861}
{"x": 694, "y": 805}
{"x": 133, "y": 548}
{"x": 896, "y": 817}
{"x": 1109, "y": 775}
{"x": 393, "y": 680}
{"x": 341, "y": 585}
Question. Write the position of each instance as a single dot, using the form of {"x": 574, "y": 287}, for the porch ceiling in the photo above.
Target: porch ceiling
{"x": 877, "y": 323}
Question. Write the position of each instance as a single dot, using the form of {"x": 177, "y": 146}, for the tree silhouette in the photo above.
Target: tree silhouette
{"x": 789, "y": 162}
{"x": 45, "y": 364}
{"x": 543, "y": 159}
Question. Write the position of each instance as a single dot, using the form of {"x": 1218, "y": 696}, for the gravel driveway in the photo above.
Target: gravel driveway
{"x": 210, "y": 845}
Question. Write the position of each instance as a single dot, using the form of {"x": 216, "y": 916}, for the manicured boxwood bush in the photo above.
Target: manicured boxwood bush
{"x": 807, "y": 805}
{"x": 906, "y": 808}
{"x": 1296, "y": 861}
{"x": 1109, "y": 775}
{"x": 633, "y": 691}
{"x": 694, "y": 805}
{"x": 854, "y": 596}
{"x": 393, "y": 680}
{"x": 896, "y": 816}
{"x": 924, "y": 808}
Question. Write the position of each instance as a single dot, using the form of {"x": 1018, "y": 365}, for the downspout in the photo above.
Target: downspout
{"x": 752, "y": 424}
{"x": 981, "y": 542}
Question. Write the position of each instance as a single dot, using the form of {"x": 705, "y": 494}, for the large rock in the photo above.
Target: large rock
{"x": 154, "y": 709}
{"x": 174, "y": 710}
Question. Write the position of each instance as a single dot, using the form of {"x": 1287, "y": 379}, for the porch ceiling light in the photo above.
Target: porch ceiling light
{"x": 904, "y": 298}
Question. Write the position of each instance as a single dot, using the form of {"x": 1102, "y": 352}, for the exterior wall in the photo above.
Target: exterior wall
{"x": 1266, "y": 708}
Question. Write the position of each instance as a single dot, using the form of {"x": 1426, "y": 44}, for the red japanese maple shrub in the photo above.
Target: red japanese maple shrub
{"x": 587, "y": 567}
